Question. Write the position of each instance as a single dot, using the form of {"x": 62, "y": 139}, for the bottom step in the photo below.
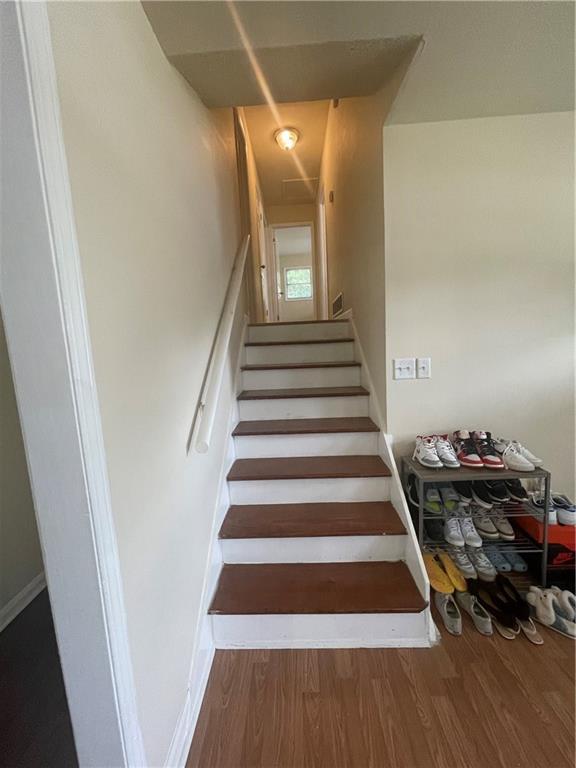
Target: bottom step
{"x": 316, "y": 588}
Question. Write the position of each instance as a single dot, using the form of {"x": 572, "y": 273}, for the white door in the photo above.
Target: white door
{"x": 295, "y": 270}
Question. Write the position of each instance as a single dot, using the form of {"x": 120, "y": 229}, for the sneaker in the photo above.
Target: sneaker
{"x": 432, "y": 501}
{"x": 446, "y": 452}
{"x": 450, "y": 498}
{"x": 452, "y": 532}
{"x": 528, "y": 454}
{"x": 434, "y": 530}
{"x": 497, "y": 491}
{"x": 477, "y": 613}
{"x": 565, "y": 509}
{"x": 486, "y": 450}
{"x": 469, "y": 532}
{"x": 503, "y": 526}
{"x": 480, "y": 494}
{"x": 516, "y": 490}
{"x": 425, "y": 452}
{"x": 412, "y": 492}
{"x": 449, "y": 612}
{"x": 537, "y": 503}
{"x": 519, "y": 565}
{"x": 498, "y": 560}
{"x": 466, "y": 450}
{"x": 463, "y": 562}
{"x": 484, "y": 568}
{"x": 464, "y": 490}
{"x": 511, "y": 456}
{"x": 484, "y": 525}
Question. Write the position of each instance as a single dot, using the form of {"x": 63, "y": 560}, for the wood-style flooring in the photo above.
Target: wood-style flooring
{"x": 470, "y": 702}
{"x": 35, "y": 728}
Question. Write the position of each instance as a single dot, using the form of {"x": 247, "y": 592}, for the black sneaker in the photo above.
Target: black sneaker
{"x": 464, "y": 490}
{"x": 497, "y": 490}
{"x": 516, "y": 490}
{"x": 434, "y": 530}
{"x": 481, "y": 495}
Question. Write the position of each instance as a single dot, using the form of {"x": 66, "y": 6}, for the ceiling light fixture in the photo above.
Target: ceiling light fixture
{"x": 287, "y": 138}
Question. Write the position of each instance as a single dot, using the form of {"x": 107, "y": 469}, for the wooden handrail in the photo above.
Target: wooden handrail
{"x": 206, "y": 414}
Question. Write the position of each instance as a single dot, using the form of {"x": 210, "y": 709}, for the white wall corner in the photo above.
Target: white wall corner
{"x": 17, "y": 604}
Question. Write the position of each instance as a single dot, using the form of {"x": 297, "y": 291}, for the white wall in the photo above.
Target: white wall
{"x": 480, "y": 276}
{"x": 20, "y": 555}
{"x": 154, "y": 192}
{"x": 352, "y": 169}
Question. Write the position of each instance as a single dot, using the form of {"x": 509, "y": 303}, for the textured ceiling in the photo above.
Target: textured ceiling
{"x": 479, "y": 58}
{"x": 274, "y": 164}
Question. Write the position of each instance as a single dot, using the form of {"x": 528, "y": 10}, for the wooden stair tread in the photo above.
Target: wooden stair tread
{"x": 289, "y": 342}
{"x": 271, "y": 521}
{"x": 317, "y": 588}
{"x": 299, "y": 392}
{"x": 308, "y": 467}
{"x": 304, "y": 426}
{"x": 292, "y": 366}
{"x": 295, "y": 322}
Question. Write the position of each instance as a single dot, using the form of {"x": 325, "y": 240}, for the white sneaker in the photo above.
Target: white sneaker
{"x": 511, "y": 456}
{"x": 446, "y": 452}
{"x": 484, "y": 567}
{"x": 528, "y": 454}
{"x": 484, "y": 525}
{"x": 503, "y": 526}
{"x": 425, "y": 452}
{"x": 463, "y": 562}
{"x": 452, "y": 532}
{"x": 469, "y": 532}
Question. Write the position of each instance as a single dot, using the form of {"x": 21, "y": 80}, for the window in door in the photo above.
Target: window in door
{"x": 298, "y": 283}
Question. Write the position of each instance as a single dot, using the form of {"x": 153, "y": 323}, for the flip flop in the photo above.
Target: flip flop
{"x": 529, "y": 629}
{"x": 439, "y": 579}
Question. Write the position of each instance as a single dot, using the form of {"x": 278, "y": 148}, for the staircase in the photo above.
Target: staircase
{"x": 314, "y": 551}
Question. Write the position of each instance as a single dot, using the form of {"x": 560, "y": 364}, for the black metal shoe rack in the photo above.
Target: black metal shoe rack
{"x": 522, "y": 544}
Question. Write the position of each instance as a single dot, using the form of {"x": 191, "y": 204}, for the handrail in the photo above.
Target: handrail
{"x": 206, "y": 413}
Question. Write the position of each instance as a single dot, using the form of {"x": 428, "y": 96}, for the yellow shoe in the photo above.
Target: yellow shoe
{"x": 439, "y": 579}
{"x": 453, "y": 572}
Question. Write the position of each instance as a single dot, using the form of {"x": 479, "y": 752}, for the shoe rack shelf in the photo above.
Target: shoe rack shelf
{"x": 521, "y": 544}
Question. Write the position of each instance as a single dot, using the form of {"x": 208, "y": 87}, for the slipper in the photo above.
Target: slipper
{"x": 556, "y": 605}
{"x": 543, "y": 607}
{"x": 507, "y": 598}
{"x": 566, "y": 600}
{"x": 439, "y": 579}
{"x": 531, "y": 632}
{"x": 453, "y": 572}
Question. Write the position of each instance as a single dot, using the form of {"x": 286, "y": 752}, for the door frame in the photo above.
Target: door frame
{"x": 315, "y": 283}
{"x": 322, "y": 257}
{"x": 43, "y": 306}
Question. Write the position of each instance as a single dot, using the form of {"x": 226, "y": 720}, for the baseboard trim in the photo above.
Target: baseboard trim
{"x": 184, "y": 733}
{"x": 15, "y": 606}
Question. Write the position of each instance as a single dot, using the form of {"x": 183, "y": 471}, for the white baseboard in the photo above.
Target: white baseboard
{"x": 182, "y": 739}
{"x": 9, "y": 612}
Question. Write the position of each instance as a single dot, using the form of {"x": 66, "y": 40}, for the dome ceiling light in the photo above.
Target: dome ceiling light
{"x": 287, "y": 138}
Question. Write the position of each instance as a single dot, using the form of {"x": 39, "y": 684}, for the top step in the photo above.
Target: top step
{"x": 301, "y": 331}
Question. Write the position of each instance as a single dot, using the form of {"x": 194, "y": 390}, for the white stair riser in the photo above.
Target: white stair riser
{"x": 299, "y": 332}
{"x": 317, "y": 549}
{"x": 294, "y": 378}
{"x": 339, "y": 444}
{"x": 301, "y": 353}
{"x": 340, "y": 630}
{"x": 301, "y": 491}
{"x": 303, "y": 408}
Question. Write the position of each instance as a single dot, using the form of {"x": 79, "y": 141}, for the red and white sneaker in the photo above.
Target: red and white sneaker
{"x": 466, "y": 450}
{"x": 486, "y": 449}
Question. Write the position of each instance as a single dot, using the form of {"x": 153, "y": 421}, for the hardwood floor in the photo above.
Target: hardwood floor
{"x": 470, "y": 702}
{"x": 35, "y": 728}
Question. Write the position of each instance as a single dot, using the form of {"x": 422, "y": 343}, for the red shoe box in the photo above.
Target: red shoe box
{"x": 557, "y": 534}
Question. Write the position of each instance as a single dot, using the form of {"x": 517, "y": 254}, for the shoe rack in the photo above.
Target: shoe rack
{"x": 522, "y": 544}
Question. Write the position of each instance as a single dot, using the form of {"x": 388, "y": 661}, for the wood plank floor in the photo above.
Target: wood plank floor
{"x": 471, "y": 702}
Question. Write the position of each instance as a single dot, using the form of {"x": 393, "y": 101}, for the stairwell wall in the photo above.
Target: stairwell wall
{"x": 480, "y": 276}
{"x": 154, "y": 190}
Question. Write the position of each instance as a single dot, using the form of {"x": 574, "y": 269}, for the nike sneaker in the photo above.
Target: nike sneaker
{"x": 466, "y": 450}
{"x": 425, "y": 452}
{"x": 486, "y": 450}
{"x": 446, "y": 452}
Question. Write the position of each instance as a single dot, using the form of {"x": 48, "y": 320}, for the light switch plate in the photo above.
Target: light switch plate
{"x": 424, "y": 368}
{"x": 405, "y": 368}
